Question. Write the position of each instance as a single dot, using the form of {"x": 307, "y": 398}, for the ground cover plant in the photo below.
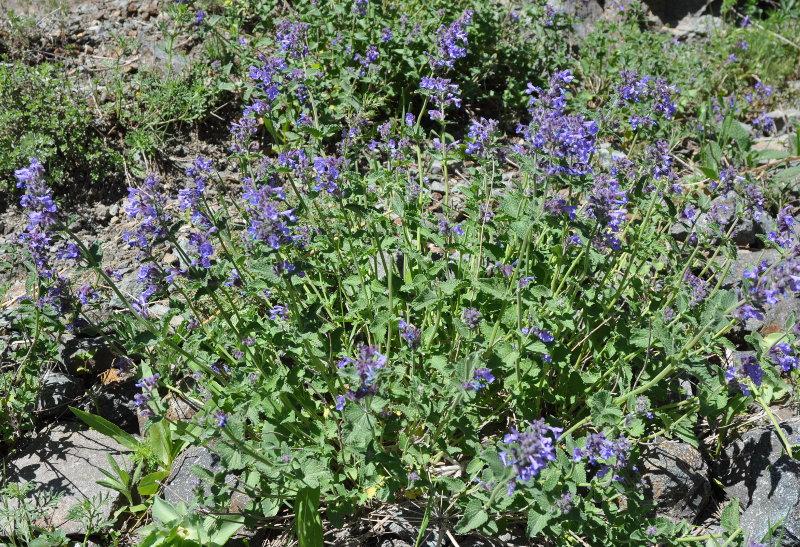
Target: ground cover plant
{"x": 457, "y": 265}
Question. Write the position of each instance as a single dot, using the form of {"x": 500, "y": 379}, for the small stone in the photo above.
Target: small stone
{"x": 101, "y": 212}
{"x": 181, "y": 484}
{"x": 171, "y": 259}
{"x": 113, "y": 210}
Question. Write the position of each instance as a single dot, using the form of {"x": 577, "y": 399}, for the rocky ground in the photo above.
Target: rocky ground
{"x": 686, "y": 482}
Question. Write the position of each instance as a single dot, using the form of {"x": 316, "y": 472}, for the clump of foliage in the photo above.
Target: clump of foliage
{"x": 396, "y": 299}
{"x": 40, "y": 115}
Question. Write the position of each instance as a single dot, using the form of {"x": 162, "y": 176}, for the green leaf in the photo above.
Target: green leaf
{"x": 474, "y": 517}
{"x": 536, "y": 522}
{"x": 308, "y": 520}
{"x": 603, "y": 409}
{"x": 730, "y": 516}
{"x": 149, "y": 483}
{"x": 448, "y": 288}
{"x": 226, "y": 526}
{"x": 107, "y": 428}
{"x": 164, "y": 511}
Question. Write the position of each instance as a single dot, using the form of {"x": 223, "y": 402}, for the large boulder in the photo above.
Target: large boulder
{"x": 64, "y": 463}
{"x": 756, "y": 470}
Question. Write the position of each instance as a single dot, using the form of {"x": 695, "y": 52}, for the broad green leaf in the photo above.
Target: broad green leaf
{"x": 150, "y": 483}
{"x": 536, "y": 522}
{"x": 107, "y": 428}
{"x": 730, "y": 516}
{"x": 474, "y": 517}
{"x": 307, "y": 518}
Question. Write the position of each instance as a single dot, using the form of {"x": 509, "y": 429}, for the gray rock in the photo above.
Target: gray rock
{"x": 182, "y": 484}
{"x": 687, "y": 14}
{"x": 101, "y": 212}
{"x": 677, "y": 477}
{"x": 765, "y": 480}
{"x": 113, "y": 400}
{"x": 780, "y": 143}
{"x": 748, "y": 260}
{"x": 66, "y": 462}
{"x": 785, "y": 119}
{"x": 403, "y": 521}
{"x": 691, "y": 26}
{"x": 82, "y": 355}
{"x": 114, "y": 210}
{"x": 130, "y": 288}
{"x": 56, "y": 393}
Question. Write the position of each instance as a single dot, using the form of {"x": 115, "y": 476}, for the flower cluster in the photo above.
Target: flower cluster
{"x": 530, "y": 451}
{"x": 566, "y": 140}
{"x": 409, "y": 333}
{"x": 613, "y": 453}
{"x": 366, "y": 365}
{"x": 480, "y": 133}
{"x": 146, "y": 204}
{"x": 747, "y": 369}
{"x": 481, "y": 378}
{"x": 782, "y": 354}
{"x": 471, "y": 318}
{"x": 141, "y": 400}
{"x": 269, "y": 221}
{"x": 452, "y": 41}
{"x": 442, "y": 93}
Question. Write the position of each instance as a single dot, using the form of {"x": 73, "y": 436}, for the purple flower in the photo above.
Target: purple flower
{"x": 564, "y": 503}
{"x": 146, "y": 204}
{"x": 220, "y": 418}
{"x": 543, "y": 335}
{"x": 327, "y": 173}
{"x": 38, "y": 198}
{"x": 443, "y": 94}
{"x": 748, "y": 368}
{"x": 268, "y": 220}
{"x": 291, "y": 37}
{"x": 471, "y": 318}
{"x": 452, "y": 42}
{"x": 445, "y": 228}
{"x": 529, "y": 452}
{"x": 409, "y": 119}
{"x": 366, "y": 365}
{"x": 386, "y": 35}
{"x": 409, "y": 333}
{"x": 480, "y": 133}
{"x": 698, "y": 288}
{"x": 566, "y": 141}
{"x": 200, "y": 16}
{"x": 482, "y": 377}
{"x": 360, "y": 7}
{"x": 782, "y": 354}
{"x": 280, "y": 313}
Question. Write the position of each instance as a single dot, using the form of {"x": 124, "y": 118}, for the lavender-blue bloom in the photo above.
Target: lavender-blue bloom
{"x": 452, "y": 42}
{"x": 530, "y": 451}
{"x": 471, "y": 318}
{"x": 783, "y": 354}
{"x": 368, "y": 362}
{"x": 291, "y": 37}
{"x": 443, "y": 94}
{"x": 748, "y": 368}
{"x": 409, "y": 333}
{"x": 480, "y": 133}
{"x": 482, "y": 377}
